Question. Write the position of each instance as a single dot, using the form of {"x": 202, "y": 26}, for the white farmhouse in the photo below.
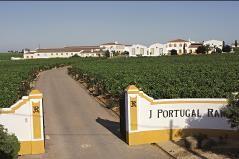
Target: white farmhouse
{"x": 180, "y": 45}
{"x": 213, "y": 44}
{"x": 138, "y": 50}
{"x": 66, "y": 52}
{"x": 156, "y": 49}
{"x": 192, "y": 49}
{"x": 113, "y": 46}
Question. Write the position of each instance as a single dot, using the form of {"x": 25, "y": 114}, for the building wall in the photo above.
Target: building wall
{"x": 191, "y": 50}
{"x": 177, "y": 46}
{"x": 151, "y": 120}
{"x": 59, "y": 55}
{"x": 25, "y": 120}
{"x": 116, "y": 48}
{"x": 214, "y": 43}
{"x": 138, "y": 50}
{"x": 156, "y": 49}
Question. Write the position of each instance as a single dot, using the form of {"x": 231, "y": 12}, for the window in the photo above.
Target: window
{"x": 175, "y": 45}
{"x": 67, "y": 53}
{"x": 71, "y": 53}
{"x": 51, "y": 54}
{"x": 190, "y": 51}
{"x": 61, "y": 53}
{"x": 180, "y": 51}
{"x": 56, "y": 53}
{"x": 180, "y": 45}
{"x": 38, "y": 54}
{"x": 170, "y": 45}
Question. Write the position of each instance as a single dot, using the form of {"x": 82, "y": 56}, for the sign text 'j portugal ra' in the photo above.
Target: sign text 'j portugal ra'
{"x": 148, "y": 120}
{"x": 160, "y": 113}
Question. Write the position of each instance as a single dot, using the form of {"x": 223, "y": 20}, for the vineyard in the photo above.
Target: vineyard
{"x": 212, "y": 76}
{"x": 7, "y": 56}
{"x": 206, "y": 76}
{"x": 17, "y": 76}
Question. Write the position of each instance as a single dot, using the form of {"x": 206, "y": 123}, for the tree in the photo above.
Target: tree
{"x": 173, "y": 52}
{"x": 9, "y": 145}
{"x": 235, "y": 43}
{"x": 218, "y": 50}
{"x": 125, "y": 53}
{"x": 201, "y": 50}
{"x": 107, "y": 53}
{"x": 184, "y": 48}
{"x": 115, "y": 53}
{"x": 227, "y": 48}
{"x": 207, "y": 48}
{"x": 231, "y": 111}
{"x": 223, "y": 44}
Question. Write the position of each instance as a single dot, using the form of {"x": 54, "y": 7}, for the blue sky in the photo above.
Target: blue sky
{"x": 58, "y": 24}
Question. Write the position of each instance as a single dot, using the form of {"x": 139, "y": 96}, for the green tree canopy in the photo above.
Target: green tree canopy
{"x": 231, "y": 111}
{"x": 227, "y": 48}
{"x": 9, "y": 145}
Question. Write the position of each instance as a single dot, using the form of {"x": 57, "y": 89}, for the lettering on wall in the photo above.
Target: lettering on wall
{"x": 177, "y": 113}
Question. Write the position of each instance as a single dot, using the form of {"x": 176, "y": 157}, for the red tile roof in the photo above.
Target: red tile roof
{"x": 71, "y": 49}
{"x": 195, "y": 45}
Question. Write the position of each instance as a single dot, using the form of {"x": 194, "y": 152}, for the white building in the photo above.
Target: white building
{"x": 113, "y": 46}
{"x": 66, "y": 52}
{"x": 180, "y": 45}
{"x": 156, "y": 49}
{"x": 138, "y": 50}
{"x": 192, "y": 49}
{"x": 213, "y": 44}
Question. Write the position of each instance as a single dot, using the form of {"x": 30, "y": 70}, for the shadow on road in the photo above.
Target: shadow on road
{"x": 112, "y": 126}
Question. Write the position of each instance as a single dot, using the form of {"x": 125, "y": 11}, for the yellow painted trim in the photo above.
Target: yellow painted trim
{"x": 31, "y": 147}
{"x": 35, "y": 94}
{"x": 35, "y": 91}
{"x": 154, "y": 102}
{"x": 145, "y": 137}
{"x": 13, "y": 109}
{"x": 36, "y": 117}
{"x": 132, "y": 88}
{"x": 36, "y": 97}
{"x": 133, "y": 114}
